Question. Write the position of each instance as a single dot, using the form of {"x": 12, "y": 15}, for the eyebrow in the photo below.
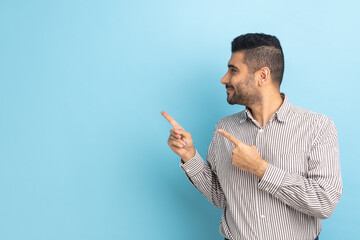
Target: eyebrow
{"x": 232, "y": 66}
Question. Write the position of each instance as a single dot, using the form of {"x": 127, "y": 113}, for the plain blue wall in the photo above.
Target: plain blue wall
{"x": 83, "y": 146}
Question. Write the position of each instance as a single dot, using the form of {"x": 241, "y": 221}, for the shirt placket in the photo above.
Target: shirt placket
{"x": 262, "y": 217}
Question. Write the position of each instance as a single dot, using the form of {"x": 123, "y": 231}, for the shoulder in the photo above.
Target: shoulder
{"x": 307, "y": 115}
{"x": 318, "y": 122}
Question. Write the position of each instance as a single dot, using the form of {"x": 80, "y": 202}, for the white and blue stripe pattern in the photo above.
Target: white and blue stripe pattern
{"x": 301, "y": 185}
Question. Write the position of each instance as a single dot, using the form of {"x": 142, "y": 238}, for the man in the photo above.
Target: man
{"x": 273, "y": 168}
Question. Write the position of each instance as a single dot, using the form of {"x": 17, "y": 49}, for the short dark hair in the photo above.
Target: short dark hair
{"x": 261, "y": 50}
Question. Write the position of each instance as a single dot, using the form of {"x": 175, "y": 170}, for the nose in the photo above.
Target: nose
{"x": 225, "y": 79}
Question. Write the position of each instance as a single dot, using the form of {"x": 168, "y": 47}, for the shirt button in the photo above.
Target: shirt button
{"x": 261, "y": 130}
{"x": 267, "y": 189}
{"x": 187, "y": 170}
{"x": 262, "y": 216}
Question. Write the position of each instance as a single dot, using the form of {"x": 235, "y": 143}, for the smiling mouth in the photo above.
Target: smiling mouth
{"x": 229, "y": 88}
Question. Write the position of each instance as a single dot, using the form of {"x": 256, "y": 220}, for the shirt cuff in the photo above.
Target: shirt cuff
{"x": 193, "y": 166}
{"x": 272, "y": 179}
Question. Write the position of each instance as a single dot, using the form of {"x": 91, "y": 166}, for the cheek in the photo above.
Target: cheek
{"x": 236, "y": 86}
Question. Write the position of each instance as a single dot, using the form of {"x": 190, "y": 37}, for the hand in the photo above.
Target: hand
{"x": 246, "y": 157}
{"x": 179, "y": 140}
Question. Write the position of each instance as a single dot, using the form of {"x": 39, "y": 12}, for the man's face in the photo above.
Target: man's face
{"x": 240, "y": 84}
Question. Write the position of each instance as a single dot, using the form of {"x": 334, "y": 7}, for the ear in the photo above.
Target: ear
{"x": 264, "y": 77}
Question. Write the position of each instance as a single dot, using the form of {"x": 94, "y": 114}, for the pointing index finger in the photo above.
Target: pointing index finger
{"x": 171, "y": 120}
{"x": 233, "y": 139}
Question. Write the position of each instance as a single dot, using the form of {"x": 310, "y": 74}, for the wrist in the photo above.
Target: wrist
{"x": 189, "y": 156}
{"x": 260, "y": 171}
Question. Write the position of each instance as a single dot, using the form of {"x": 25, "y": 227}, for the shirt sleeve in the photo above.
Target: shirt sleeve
{"x": 203, "y": 175}
{"x": 318, "y": 193}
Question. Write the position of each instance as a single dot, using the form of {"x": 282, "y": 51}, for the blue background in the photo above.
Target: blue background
{"x": 83, "y": 146}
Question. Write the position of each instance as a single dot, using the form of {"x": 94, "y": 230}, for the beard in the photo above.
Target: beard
{"x": 245, "y": 93}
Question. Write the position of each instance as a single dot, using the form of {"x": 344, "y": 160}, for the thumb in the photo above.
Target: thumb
{"x": 182, "y": 132}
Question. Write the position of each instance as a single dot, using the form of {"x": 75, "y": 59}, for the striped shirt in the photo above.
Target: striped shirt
{"x": 301, "y": 185}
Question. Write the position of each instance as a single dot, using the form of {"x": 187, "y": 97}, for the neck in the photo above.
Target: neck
{"x": 263, "y": 110}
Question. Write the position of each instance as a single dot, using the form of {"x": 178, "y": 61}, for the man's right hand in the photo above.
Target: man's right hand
{"x": 179, "y": 140}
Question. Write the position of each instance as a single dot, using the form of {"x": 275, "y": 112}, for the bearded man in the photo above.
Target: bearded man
{"x": 273, "y": 168}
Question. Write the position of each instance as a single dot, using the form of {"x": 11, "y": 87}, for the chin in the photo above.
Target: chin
{"x": 229, "y": 100}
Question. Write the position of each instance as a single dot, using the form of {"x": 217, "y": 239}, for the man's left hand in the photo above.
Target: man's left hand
{"x": 246, "y": 157}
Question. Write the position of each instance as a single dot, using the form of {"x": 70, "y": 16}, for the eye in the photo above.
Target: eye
{"x": 233, "y": 70}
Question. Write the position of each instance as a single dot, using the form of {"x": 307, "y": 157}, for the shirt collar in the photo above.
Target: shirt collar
{"x": 281, "y": 114}
{"x": 284, "y": 109}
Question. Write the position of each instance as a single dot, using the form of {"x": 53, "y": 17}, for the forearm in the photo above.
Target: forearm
{"x": 304, "y": 194}
{"x": 204, "y": 179}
